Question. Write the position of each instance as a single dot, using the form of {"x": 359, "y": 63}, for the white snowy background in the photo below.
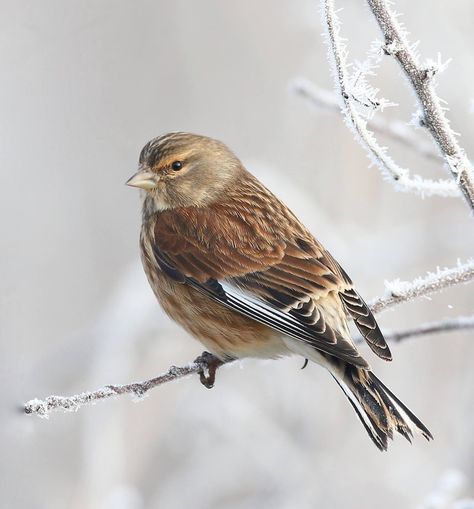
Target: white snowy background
{"x": 84, "y": 84}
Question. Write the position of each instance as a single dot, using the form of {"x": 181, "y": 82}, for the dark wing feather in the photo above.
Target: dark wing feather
{"x": 365, "y": 322}
{"x": 363, "y": 318}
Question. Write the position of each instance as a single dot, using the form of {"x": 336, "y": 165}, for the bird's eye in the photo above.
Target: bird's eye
{"x": 177, "y": 165}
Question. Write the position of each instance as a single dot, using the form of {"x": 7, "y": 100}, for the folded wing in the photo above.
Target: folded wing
{"x": 269, "y": 269}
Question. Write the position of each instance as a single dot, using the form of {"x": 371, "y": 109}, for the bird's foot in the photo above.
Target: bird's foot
{"x": 211, "y": 364}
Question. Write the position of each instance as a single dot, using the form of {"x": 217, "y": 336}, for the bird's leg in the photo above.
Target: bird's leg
{"x": 211, "y": 364}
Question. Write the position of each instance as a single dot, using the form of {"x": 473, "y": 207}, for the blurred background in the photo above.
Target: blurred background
{"x": 84, "y": 84}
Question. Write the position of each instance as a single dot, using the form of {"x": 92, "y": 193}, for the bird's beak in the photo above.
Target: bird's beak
{"x": 144, "y": 179}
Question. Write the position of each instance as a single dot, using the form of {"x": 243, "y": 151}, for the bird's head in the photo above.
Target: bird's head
{"x": 184, "y": 170}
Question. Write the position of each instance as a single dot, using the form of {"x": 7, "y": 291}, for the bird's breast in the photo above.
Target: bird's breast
{"x": 223, "y": 332}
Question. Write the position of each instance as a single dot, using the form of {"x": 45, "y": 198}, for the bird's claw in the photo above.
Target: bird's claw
{"x": 211, "y": 364}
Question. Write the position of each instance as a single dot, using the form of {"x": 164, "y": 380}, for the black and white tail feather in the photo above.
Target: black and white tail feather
{"x": 379, "y": 410}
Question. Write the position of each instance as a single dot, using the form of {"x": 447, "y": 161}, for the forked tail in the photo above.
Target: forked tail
{"x": 379, "y": 410}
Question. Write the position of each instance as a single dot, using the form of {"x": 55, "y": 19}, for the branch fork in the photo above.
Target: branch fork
{"x": 421, "y": 79}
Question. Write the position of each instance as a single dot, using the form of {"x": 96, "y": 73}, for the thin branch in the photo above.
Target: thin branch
{"x": 400, "y": 177}
{"x": 402, "y": 291}
{"x": 397, "y": 131}
{"x": 397, "y": 292}
{"x": 43, "y": 408}
{"x": 421, "y": 79}
{"x": 438, "y": 327}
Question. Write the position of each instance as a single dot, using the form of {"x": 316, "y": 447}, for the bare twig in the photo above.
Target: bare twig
{"x": 438, "y": 327}
{"x": 421, "y": 79}
{"x": 403, "y": 291}
{"x": 397, "y": 131}
{"x": 400, "y": 177}
{"x": 397, "y": 292}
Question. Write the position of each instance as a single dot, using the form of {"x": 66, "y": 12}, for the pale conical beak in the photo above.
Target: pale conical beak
{"x": 144, "y": 179}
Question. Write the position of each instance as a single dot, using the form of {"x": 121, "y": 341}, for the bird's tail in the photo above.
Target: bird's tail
{"x": 379, "y": 410}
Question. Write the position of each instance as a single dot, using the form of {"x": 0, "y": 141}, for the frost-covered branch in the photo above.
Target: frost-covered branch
{"x": 397, "y": 292}
{"x": 438, "y": 327}
{"x": 421, "y": 77}
{"x": 395, "y": 130}
{"x": 354, "y": 91}
{"x": 402, "y": 291}
{"x": 43, "y": 407}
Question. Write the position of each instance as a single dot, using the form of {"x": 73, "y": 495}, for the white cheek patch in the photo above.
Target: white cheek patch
{"x": 155, "y": 202}
{"x": 160, "y": 202}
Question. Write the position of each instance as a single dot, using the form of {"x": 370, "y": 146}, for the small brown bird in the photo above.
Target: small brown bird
{"x": 231, "y": 263}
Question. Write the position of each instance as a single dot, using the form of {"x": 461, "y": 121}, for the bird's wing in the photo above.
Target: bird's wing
{"x": 365, "y": 322}
{"x": 267, "y": 268}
